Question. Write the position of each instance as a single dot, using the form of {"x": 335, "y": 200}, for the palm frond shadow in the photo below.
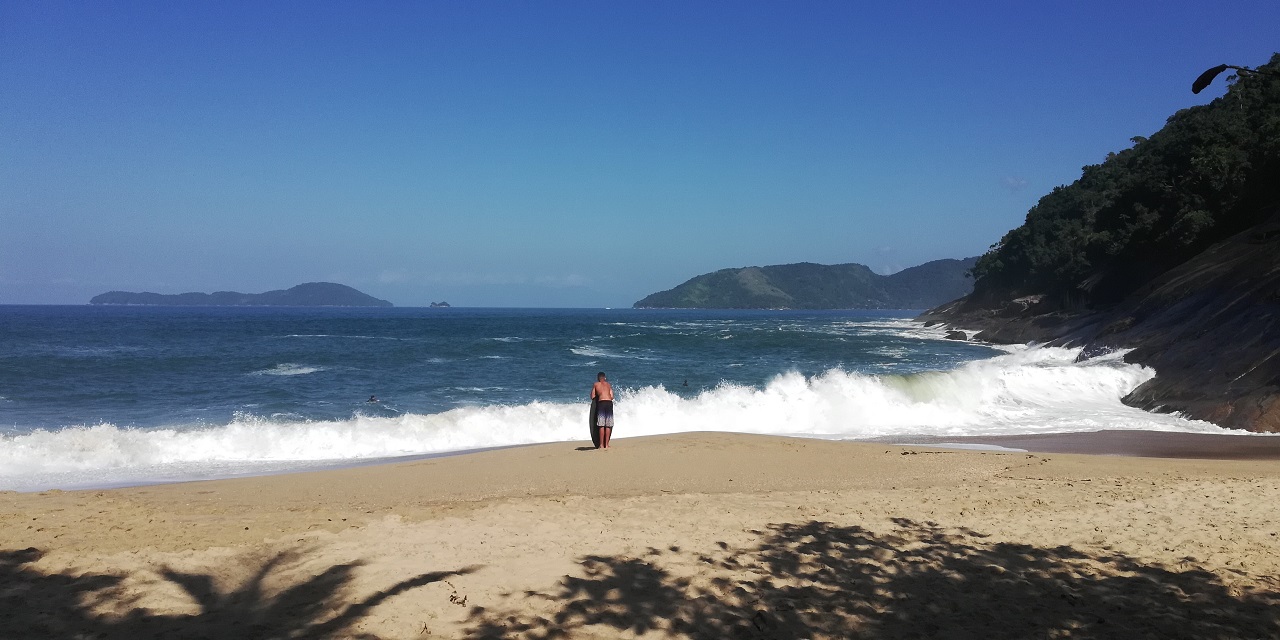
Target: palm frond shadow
{"x": 35, "y": 604}
{"x": 820, "y": 580}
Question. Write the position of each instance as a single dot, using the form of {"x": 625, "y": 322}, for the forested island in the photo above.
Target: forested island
{"x": 311, "y": 294}
{"x": 818, "y": 286}
{"x": 1170, "y": 248}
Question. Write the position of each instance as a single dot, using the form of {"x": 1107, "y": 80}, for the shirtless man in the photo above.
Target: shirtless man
{"x": 602, "y": 392}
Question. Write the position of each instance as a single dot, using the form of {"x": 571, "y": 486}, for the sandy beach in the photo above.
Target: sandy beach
{"x": 686, "y": 536}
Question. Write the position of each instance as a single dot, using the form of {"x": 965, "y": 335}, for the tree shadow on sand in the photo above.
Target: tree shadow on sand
{"x": 266, "y": 604}
{"x": 819, "y": 580}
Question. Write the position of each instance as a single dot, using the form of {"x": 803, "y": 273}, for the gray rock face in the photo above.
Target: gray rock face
{"x": 1210, "y": 328}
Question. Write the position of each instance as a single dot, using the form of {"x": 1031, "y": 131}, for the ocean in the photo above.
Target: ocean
{"x": 109, "y": 396}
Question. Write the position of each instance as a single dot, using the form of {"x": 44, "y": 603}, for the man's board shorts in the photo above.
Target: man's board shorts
{"x": 604, "y": 413}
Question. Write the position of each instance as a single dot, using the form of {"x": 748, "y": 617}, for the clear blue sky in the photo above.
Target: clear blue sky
{"x": 558, "y": 153}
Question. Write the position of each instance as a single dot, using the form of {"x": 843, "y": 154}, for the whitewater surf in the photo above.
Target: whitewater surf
{"x": 222, "y": 402}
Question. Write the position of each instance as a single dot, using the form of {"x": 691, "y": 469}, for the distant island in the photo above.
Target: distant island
{"x": 818, "y": 286}
{"x": 311, "y": 294}
{"x": 440, "y": 305}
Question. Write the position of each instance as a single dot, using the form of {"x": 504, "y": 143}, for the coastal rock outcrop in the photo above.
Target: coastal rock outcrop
{"x": 1169, "y": 250}
{"x": 1210, "y": 328}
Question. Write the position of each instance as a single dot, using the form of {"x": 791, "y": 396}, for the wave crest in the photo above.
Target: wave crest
{"x": 287, "y": 369}
{"x": 1037, "y": 390}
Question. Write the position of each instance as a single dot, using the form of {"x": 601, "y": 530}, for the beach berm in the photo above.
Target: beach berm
{"x": 702, "y": 535}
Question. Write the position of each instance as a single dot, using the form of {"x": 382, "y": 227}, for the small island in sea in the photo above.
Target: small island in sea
{"x": 440, "y": 305}
{"x": 310, "y": 294}
{"x": 819, "y": 286}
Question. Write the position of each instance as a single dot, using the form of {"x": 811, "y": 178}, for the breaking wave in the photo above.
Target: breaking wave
{"x": 1029, "y": 390}
{"x": 287, "y": 369}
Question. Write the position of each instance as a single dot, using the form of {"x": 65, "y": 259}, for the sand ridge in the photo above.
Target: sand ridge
{"x": 697, "y": 535}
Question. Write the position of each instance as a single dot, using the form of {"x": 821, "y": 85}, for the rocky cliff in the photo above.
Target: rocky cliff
{"x": 1210, "y": 328}
{"x": 1170, "y": 248}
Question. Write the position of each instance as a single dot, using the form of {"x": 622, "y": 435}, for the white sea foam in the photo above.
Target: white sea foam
{"x": 348, "y": 337}
{"x": 968, "y": 446}
{"x": 899, "y": 327}
{"x": 592, "y": 351}
{"x": 897, "y": 353}
{"x": 95, "y": 352}
{"x": 287, "y": 369}
{"x": 1029, "y": 390}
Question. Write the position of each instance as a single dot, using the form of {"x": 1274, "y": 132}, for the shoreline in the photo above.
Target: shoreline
{"x": 689, "y": 535}
{"x": 1121, "y": 443}
{"x": 315, "y": 466}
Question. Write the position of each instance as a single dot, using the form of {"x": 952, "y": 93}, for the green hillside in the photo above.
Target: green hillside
{"x": 1169, "y": 250}
{"x": 310, "y": 294}
{"x": 815, "y": 286}
{"x": 1209, "y": 173}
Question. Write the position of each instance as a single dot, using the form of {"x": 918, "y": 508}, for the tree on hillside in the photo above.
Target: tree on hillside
{"x": 1210, "y": 172}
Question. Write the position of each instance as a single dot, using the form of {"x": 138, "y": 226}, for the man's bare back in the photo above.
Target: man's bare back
{"x": 601, "y": 391}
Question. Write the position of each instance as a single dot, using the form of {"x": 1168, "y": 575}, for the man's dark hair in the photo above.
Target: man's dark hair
{"x": 600, "y": 376}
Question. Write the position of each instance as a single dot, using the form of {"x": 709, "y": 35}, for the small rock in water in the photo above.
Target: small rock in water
{"x": 1093, "y": 350}
{"x": 957, "y": 335}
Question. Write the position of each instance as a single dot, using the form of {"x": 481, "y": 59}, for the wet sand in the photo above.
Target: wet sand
{"x": 1146, "y": 444}
{"x": 693, "y": 535}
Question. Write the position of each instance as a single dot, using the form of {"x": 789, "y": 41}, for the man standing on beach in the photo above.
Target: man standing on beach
{"x": 602, "y": 393}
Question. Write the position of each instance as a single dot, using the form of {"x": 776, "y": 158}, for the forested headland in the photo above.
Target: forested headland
{"x": 1171, "y": 248}
{"x": 819, "y": 286}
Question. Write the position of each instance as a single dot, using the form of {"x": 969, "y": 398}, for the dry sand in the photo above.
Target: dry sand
{"x": 694, "y": 535}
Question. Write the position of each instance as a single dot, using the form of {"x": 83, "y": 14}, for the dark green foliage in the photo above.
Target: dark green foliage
{"x": 817, "y": 286}
{"x": 1209, "y": 173}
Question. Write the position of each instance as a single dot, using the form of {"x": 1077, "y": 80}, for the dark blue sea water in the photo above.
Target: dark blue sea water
{"x": 107, "y": 395}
